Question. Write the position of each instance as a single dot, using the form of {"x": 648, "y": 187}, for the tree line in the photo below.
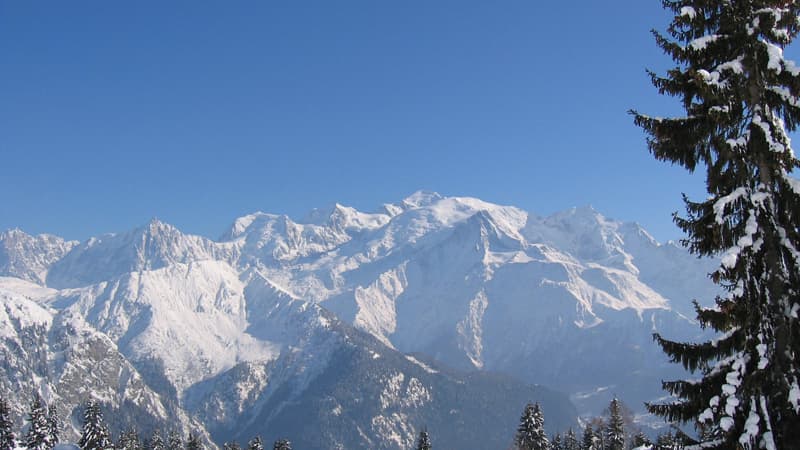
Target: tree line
{"x": 44, "y": 429}
{"x": 613, "y": 431}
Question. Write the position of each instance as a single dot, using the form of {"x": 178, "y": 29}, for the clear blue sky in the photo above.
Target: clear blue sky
{"x": 197, "y": 112}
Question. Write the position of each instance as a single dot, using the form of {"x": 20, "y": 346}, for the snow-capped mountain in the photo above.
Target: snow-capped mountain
{"x": 280, "y": 312}
{"x": 30, "y": 257}
{"x": 478, "y": 285}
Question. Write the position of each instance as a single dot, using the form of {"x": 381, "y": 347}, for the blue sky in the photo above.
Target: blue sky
{"x": 198, "y": 112}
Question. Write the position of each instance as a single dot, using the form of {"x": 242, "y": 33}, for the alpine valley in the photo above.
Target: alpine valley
{"x": 346, "y": 329}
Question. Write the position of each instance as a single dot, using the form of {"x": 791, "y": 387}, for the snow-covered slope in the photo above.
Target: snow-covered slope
{"x": 223, "y": 328}
{"x": 493, "y": 287}
{"x": 61, "y": 357}
{"x": 152, "y": 246}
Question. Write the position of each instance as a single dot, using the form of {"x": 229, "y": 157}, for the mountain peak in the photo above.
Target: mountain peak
{"x": 30, "y": 257}
{"x": 155, "y": 226}
{"x": 13, "y": 233}
{"x": 421, "y": 199}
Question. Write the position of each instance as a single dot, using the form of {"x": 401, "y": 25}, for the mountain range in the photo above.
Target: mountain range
{"x": 347, "y": 329}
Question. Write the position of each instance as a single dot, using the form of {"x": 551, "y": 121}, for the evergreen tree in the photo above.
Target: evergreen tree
{"x": 38, "y": 435}
{"x": 424, "y": 440}
{"x": 571, "y": 441}
{"x": 556, "y": 443}
{"x": 255, "y": 444}
{"x": 129, "y": 440}
{"x": 282, "y": 444}
{"x": 53, "y": 424}
{"x": 8, "y": 440}
{"x": 94, "y": 435}
{"x": 193, "y": 443}
{"x": 615, "y": 429}
{"x": 590, "y": 441}
{"x": 530, "y": 433}
{"x": 641, "y": 440}
{"x": 740, "y": 97}
{"x": 174, "y": 440}
{"x": 156, "y": 442}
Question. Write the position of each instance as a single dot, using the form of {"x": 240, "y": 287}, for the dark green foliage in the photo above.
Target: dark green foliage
{"x": 282, "y": 444}
{"x": 424, "y": 441}
{"x": 38, "y": 435}
{"x": 193, "y": 443}
{"x": 740, "y": 98}
{"x": 94, "y": 435}
{"x": 255, "y": 444}
{"x": 7, "y": 436}
{"x": 641, "y": 440}
{"x": 530, "y": 432}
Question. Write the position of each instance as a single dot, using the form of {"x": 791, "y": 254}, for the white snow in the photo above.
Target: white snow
{"x": 723, "y": 202}
{"x": 424, "y": 366}
{"x": 18, "y": 311}
{"x": 688, "y": 11}
{"x": 794, "y": 396}
{"x": 731, "y": 256}
{"x": 726, "y": 423}
{"x": 793, "y": 183}
{"x": 734, "y": 66}
{"x": 702, "y": 42}
{"x": 775, "y": 54}
{"x": 712, "y": 78}
{"x": 751, "y": 427}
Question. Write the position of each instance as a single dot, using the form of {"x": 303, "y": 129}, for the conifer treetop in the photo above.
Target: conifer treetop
{"x": 740, "y": 96}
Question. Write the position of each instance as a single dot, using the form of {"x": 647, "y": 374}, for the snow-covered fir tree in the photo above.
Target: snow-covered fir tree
{"x": 174, "y": 440}
{"x": 53, "y": 424}
{"x": 8, "y": 439}
{"x": 615, "y": 428}
{"x": 193, "y": 443}
{"x": 129, "y": 440}
{"x": 156, "y": 442}
{"x": 424, "y": 440}
{"x": 530, "y": 432}
{"x": 590, "y": 441}
{"x": 282, "y": 444}
{"x": 94, "y": 434}
{"x": 571, "y": 441}
{"x": 556, "y": 443}
{"x": 38, "y": 435}
{"x": 641, "y": 440}
{"x": 255, "y": 444}
{"x": 741, "y": 98}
